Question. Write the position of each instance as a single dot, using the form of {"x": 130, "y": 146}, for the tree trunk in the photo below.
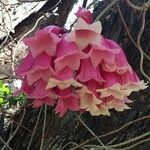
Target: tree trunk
{"x": 60, "y": 131}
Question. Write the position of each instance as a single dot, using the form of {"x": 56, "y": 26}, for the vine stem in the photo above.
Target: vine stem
{"x": 44, "y": 126}
{"x": 16, "y": 130}
{"x": 35, "y": 127}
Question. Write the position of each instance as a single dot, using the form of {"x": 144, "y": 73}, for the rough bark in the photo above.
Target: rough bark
{"x": 60, "y": 131}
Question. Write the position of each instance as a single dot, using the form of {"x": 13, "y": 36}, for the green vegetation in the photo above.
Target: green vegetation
{"x": 7, "y": 97}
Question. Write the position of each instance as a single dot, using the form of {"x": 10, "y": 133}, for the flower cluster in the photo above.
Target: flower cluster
{"x": 79, "y": 71}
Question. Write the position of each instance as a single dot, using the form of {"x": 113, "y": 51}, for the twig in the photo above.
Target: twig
{"x": 36, "y": 23}
{"x": 73, "y": 143}
{"x": 131, "y": 140}
{"x": 92, "y": 3}
{"x": 8, "y": 74}
{"x": 134, "y": 6}
{"x": 139, "y": 45}
{"x": 128, "y": 32}
{"x": 136, "y": 144}
{"x": 110, "y": 142}
{"x": 124, "y": 143}
{"x": 4, "y": 5}
{"x": 22, "y": 126}
{"x": 112, "y": 132}
{"x": 44, "y": 125}
{"x": 1, "y": 139}
{"x": 106, "y": 9}
{"x": 84, "y": 3}
{"x": 91, "y": 131}
{"x": 128, "y": 147}
{"x": 35, "y": 127}
{"x": 31, "y": 1}
{"x": 14, "y": 133}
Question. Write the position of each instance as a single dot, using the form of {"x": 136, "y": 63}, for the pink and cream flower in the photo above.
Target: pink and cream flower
{"x": 120, "y": 86}
{"x": 87, "y": 72}
{"x": 85, "y": 15}
{"x": 85, "y": 34}
{"x": 102, "y": 52}
{"x": 67, "y": 100}
{"x": 89, "y": 100}
{"x": 77, "y": 71}
{"x": 44, "y": 40}
{"x": 68, "y": 55}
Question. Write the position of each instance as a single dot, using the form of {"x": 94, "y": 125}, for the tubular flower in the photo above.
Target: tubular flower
{"x": 40, "y": 86}
{"x": 112, "y": 102}
{"x": 66, "y": 100}
{"x": 102, "y": 53}
{"x": 120, "y": 86}
{"x": 62, "y": 84}
{"x": 65, "y": 80}
{"x": 85, "y": 15}
{"x": 67, "y": 54}
{"x": 88, "y": 101}
{"x": 26, "y": 65}
{"x": 121, "y": 63}
{"x": 43, "y": 41}
{"x": 87, "y": 72}
{"x": 42, "y": 97}
{"x": 39, "y": 69}
{"x": 85, "y": 34}
{"x": 78, "y": 70}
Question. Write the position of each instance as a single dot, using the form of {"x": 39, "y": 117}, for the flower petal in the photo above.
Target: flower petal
{"x": 85, "y": 34}
{"x": 42, "y": 41}
{"x": 67, "y": 101}
{"x": 85, "y": 14}
{"x": 62, "y": 84}
{"x": 39, "y": 102}
{"x": 88, "y": 100}
{"x": 40, "y": 91}
{"x": 68, "y": 55}
{"x": 88, "y": 72}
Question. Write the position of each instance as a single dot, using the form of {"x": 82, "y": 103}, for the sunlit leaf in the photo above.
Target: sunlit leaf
{"x": 1, "y": 100}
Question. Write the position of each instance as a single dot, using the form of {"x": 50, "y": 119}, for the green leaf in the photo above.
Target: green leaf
{"x": 1, "y": 100}
{"x": 5, "y": 89}
{"x": 1, "y": 84}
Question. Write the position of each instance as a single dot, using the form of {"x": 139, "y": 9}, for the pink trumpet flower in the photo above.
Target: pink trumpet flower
{"x": 68, "y": 55}
{"x": 65, "y": 80}
{"x": 85, "y": 15}
{"x": 120, "y": 60}
{"x": 85, "y": 34}
{"x": 120, "y": 86}
{"x": 87, "y": 72}
{"x": 44, "y": 40}
{"x": 112, "y": 103}
{"x": 43, "y": 74}
{"x": 89, "y": 98}
{"x": 66, "y": 100}
{"x": 40, "y": 68}
{"x": 40, "y": 91}
{"x": 102, "y": 53}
